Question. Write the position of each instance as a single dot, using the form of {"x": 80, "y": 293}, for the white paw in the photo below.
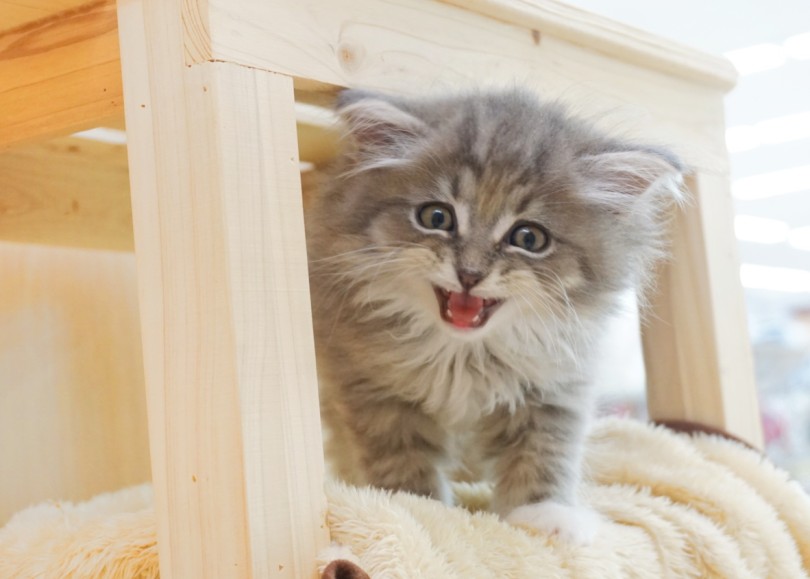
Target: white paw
{"x": 574, "y": 525}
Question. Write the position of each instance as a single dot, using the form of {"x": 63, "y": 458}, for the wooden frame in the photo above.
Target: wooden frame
{"x": 209, "y": 88}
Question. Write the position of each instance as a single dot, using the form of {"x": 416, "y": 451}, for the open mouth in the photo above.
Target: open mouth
{"x": 465, "y": 311}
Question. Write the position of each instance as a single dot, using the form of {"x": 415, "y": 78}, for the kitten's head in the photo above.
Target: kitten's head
{"x": 474, "y": 211}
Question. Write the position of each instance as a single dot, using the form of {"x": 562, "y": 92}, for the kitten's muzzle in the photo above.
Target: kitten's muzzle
{"x": 463, "y": 310}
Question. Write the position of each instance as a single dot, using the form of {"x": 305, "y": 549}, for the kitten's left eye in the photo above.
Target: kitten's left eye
{"x": 529, "y": 238}
{"x": 435, "y": 216}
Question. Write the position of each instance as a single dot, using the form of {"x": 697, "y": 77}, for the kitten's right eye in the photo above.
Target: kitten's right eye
{"x": 435, "y": 216}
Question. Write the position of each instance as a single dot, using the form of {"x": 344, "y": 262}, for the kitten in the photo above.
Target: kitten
{"x": 463, "y": 263}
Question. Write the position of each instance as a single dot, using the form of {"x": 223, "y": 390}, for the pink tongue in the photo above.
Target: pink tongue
{"x": 464, "y": 308}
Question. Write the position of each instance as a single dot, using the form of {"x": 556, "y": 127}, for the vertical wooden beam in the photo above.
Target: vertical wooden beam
{"x": 230, "y": 368}
{"x": 696, "y": 346}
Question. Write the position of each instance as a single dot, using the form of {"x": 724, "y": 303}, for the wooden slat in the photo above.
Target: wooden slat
{"x": 696, "y": 345}
{"x": 60, "y": 75}
{"x": 222, "y": 271}
{"x": 74, "y": 192}
{"x": 424, "y": 46}
{"x": 620, "y": 41}
{"x": 72, "y": 404}
{"x": 69, "y": 192}
{"x": 81, "y": 45}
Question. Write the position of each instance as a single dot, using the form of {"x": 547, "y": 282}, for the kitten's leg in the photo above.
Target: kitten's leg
{"x": 537, "y": 453}
{"x": 400, "y": 447}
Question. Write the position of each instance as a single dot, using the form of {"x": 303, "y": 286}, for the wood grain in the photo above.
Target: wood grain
{"x": 72, "y": 404}
{"x": 228, "y": 349}
{"x": 620, "y": 41}
{"x": 67, "y": 192}
{"x": 18, "y": 13}
{"x": 74, "y": 192}
{"x": 428, "y": 47}
{"x": 60, "y": 75}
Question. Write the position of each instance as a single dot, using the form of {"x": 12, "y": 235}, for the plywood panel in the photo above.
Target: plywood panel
{"x": 72, "y": 404}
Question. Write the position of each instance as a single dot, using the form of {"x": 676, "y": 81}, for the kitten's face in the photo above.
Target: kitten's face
{"x": 471, "y": 253}
{"x": 470, "y": 214}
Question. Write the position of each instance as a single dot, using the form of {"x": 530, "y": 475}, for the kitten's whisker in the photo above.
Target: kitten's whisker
{"x": 567, "y": 328}
{"x": 371, "y": 249}
{"x": 551, "y": 342}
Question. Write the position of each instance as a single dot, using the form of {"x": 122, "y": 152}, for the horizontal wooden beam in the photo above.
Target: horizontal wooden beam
{"x": 334, "y": 42}
{"x": 617, "y": 39}
{"x": 16, "y": 13}
{"x": 60, "y": 75}
{"x": 316, "y": 125}
{"x": 426, "y": 47}
{"x": 68, "y": 191}
{"x": 74, "y": 192}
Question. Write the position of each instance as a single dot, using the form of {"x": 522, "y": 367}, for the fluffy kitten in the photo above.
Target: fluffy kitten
{"x": 462, "y": 264}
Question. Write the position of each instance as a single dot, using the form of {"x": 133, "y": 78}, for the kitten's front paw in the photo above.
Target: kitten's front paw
{"x": 574, "y": 525}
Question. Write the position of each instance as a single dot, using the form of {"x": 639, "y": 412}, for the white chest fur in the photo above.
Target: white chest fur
{"x": 458, "y": 380}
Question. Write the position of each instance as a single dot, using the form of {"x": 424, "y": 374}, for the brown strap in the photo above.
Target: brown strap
{"x": 343, "y": 569}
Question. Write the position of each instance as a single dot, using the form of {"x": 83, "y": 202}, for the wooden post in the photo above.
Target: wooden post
{"x": 696, "y": 346}
{"x": 230, "y": 368}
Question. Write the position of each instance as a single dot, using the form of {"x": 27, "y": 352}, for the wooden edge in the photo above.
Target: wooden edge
{"x": 60, "y": 75}
{"x": 608, "y": 36}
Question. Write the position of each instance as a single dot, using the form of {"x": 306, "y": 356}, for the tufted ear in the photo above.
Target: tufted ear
{"x": 382, "y": 133}
{"x": 618, "y": 178}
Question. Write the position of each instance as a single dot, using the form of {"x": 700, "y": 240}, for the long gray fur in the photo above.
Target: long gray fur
{"x": 405, "y": 397}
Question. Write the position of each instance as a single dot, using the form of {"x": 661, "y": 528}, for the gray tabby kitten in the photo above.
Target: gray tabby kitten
{"x": 463, "y": 263}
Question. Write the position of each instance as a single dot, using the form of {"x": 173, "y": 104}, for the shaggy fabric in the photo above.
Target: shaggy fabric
{"x": 673, "y": 506}
{"x": 109, "y": 536}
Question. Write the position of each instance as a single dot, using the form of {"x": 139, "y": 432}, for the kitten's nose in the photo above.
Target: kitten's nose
{"x": 469, "y": 279}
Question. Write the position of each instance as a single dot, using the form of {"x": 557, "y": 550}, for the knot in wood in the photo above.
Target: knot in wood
{"x": 350, "y": 56}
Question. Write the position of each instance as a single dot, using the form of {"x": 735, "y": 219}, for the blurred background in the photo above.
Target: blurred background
{"x": 768, "y": 138}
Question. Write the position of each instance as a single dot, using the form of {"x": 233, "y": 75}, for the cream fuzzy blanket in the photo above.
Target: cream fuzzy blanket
{"x": 673, "y": 506}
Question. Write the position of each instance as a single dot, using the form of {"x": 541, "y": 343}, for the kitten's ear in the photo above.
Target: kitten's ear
{"x": 619, "y": 178}
{"x": 382, "y": 133}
